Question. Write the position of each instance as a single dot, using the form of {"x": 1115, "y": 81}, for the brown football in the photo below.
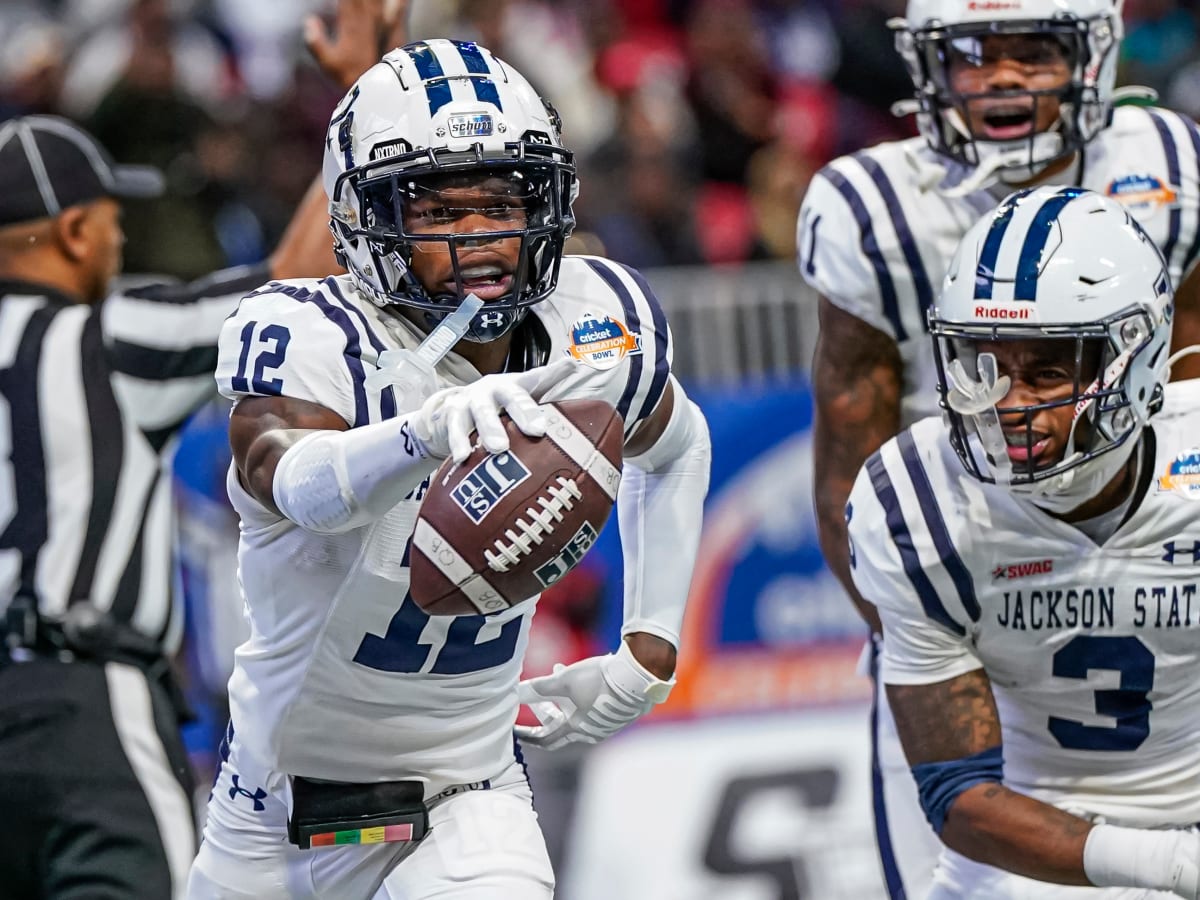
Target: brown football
{"x": 502, "y": 527}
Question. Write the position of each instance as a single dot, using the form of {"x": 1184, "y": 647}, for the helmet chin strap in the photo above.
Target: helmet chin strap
{"x": 1009, "y": 163}
{"x": 1061, "y": 493}
{"x": 1074, "y": 487}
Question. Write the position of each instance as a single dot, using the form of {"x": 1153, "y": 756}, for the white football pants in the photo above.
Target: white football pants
{"x": 481, "y": 845}
{"x": 908, "y": 847}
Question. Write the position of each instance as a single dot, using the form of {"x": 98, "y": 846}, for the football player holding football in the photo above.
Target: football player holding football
{"x": 1007, "y": 95}
{"x": 369, "y": 740}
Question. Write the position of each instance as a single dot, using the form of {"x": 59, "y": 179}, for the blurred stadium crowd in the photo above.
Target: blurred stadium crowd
{"x": 697, "y": 122}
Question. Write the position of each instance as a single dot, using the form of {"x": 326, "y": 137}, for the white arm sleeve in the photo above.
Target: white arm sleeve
{"x": 334, "y": 481}
{"x": 660, "y": 506}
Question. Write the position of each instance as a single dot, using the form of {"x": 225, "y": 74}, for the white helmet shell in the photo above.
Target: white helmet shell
{"x": 433, "y": 109}
{"x": 1092, "y": 28}
{"x": 1054, "y": 263}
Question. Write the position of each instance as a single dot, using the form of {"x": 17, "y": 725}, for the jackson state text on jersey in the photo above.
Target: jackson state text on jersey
{"x": 877, "y": 244}
{"x": 1092, "y": 651}
{"x": 343, "y": 677}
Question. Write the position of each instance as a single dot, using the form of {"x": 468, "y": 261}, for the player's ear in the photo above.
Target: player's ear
{"x": 72, "y": 234}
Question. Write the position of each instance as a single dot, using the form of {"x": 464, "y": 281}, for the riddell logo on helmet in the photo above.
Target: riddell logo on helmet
{"x": 1003, "y": 312}
{"x": 992, "y": 5}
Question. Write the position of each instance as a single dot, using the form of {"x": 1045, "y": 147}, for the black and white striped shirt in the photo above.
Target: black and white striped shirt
{"x": 91, "y": 400}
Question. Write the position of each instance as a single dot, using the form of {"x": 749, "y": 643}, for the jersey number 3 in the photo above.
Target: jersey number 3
{"x": 1129, "y": 703}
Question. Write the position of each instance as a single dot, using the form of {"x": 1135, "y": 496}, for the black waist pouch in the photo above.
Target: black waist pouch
{"x": 330, "y": 813}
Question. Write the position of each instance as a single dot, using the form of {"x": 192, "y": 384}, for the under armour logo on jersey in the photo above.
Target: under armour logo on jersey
{"x": 256, "y": 797}
{"x": 1173, "y": 551}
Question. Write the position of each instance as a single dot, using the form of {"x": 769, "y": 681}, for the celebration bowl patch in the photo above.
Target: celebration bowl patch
{"x": 1183, "y": 475}
{"x": 1141, "y": 193}
{"x": 602, "y": 343}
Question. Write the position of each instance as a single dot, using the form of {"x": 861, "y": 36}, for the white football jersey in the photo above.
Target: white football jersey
{"x": 1092, "y": 651}
{"x": 343, "y": 676}
{"x": 876, "y": 234}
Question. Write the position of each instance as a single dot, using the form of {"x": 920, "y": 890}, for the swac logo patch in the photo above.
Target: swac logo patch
{"x": 1141, "y": 193}
{"x": 1023, "y": 570}
{"x": 484, "y": 486}
{"x": 471, "y": 125}
{"x": 1183, "y": 474}
{"x": 602, "y": 343}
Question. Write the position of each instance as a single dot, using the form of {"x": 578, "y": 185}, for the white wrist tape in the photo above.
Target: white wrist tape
{"x": 1167, "y": 860}
{"x": 333, "y": 481}
{"x": 629, "y": 677}
{"x": 659, "y": 506}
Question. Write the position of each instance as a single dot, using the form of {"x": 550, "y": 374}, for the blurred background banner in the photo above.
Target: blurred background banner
{"x": 762, "y": 807}
{"x": 767, "y": 625}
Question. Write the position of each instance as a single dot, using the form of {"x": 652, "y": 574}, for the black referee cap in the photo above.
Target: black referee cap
{"x": 48, "y": 164}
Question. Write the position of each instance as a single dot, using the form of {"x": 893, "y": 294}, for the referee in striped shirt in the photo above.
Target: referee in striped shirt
{"x": 95, "y": 793}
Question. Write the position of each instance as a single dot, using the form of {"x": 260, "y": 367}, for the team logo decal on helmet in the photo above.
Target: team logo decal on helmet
{"x": 432, "y": 119}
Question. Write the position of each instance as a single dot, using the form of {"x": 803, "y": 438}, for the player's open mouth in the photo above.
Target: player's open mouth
{"x": 486, "y": 282}
{"x": 1019, "y": 447}
{"x": 1006, "y": 123}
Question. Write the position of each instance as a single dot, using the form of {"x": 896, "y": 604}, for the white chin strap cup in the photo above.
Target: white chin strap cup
{"x": 1011, "y": 163}
{"x": 976, "y": 400}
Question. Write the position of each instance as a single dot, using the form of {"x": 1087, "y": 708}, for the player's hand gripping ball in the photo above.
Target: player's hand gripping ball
{"x": 500, "y": 528}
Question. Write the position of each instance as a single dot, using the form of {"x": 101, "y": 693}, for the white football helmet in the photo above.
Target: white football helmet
{"x": 1089, "y": 32}
{"x": 1054, "y": 263}
{"x": 446, "y": 113}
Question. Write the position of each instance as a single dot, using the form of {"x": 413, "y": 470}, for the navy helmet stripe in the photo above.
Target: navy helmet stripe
{"x": 485, "y": 88}
{"x": 430, "y": 68}
{"x": 1035, "y": 242}
{"x": 902, "y": 538}
{"x": 985, "y": 273}
{"x": 870, "y": 246}
{"x": 1171, "y": 152}
{"x": 937, "y": 526}
{"x": 634, "y": 323}
{"x": 908, "y": 244}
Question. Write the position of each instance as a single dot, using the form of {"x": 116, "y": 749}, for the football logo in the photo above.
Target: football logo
{"x": 486, "y": 484}
{"x": 554, "y": 569}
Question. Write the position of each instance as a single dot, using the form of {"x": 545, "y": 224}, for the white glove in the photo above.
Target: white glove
{"x": 589, "y": 700}
{"x": 1166, "y": 859}
{"x": 445, "y": 421}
